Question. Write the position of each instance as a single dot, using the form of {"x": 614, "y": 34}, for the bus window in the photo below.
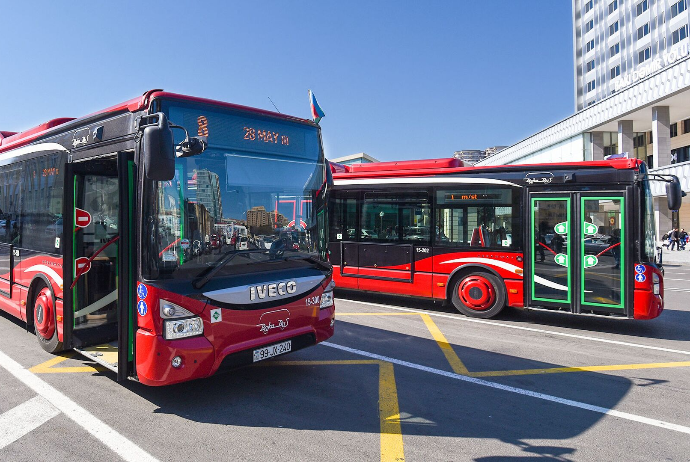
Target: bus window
{"x": 394, "y": 218}
{"x": 344, "y": 219}
{"x": 478, "y": 217}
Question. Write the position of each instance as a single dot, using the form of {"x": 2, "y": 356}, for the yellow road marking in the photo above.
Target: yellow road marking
{"x": 392, "y": 449}
{"x": 378, "y": 314}
{"x": 559, "y": 370}
{"x": 459, "y": 368}
{"x": 47, "y": 367}
{"x": 449, "y": 353}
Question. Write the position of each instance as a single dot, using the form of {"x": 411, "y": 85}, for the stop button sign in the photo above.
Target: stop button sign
{"x": 82, "y": 218}
{"x": 82, "y": 265}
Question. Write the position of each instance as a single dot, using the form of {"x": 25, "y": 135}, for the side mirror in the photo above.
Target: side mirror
{"x": 158, "y": 150}
{"x": 674, "y": 194}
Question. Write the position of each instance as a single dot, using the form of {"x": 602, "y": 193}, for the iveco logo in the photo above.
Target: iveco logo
{"x": 272, "y": 290}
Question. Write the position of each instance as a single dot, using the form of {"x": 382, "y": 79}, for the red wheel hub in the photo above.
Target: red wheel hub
{"x": 43, "y": 314}
{"x": 477, "y": 293}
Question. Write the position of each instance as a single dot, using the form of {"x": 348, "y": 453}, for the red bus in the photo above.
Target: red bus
{"x": 109, "y": 243}
{"x": 575, "y": 237}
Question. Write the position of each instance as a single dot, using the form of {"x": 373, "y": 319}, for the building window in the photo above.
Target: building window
{"x": 680, "y": 155}
{"x": 591, "y": 85}
{"x": 610, "y": 143}
{"x": 639, "y": 146}
{"x": 589, "y": 5}
{"x": 613, "y": 28}
{"x": 678, "y": 8}
{"x": 644, "y": 55}
{"x": 615, "y": 71}
{"x": 662, "y": 44}
{"x": 590, "y": 46}
{"x": 679, "y": 34}
{"x": 674, "y": 130}
{"x": 613, "y": 6}
{"x": 642, "y": 31}
{"x": 589, "y": 25}
{"x": 615, "y": 49}
{"x": 642, "y": 7}
{"x": 686, "y": 126}
{"x": 590, "y": 65}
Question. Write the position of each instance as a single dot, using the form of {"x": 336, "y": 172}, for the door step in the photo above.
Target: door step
{"x": 105, "y": 354}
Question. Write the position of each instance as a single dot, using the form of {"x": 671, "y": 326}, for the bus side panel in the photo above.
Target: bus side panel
{"x": 50, "y": 267}
{"x": 504, "y": 264}
{"x": 343, "y": 282}
{"x": 385, "y": 261}
{"x": 420, "y": 287}
{"x": 11, "y": 305}
{"x": 515, "y": 293}
{"x": 59, "y": 315}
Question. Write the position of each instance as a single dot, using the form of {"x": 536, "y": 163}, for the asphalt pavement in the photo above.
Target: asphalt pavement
{"x": 402, "y": 379}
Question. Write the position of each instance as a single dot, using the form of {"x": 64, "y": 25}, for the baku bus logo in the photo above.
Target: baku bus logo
{"x": 277, "y": 319}
{"x": 539, "y": 177}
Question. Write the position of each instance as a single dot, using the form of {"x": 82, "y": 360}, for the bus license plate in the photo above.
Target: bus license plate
{"x": 273, "y": 350}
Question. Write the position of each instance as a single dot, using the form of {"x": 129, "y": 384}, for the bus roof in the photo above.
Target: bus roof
{"x": 432, "y": 167}
{"x": 11, "y": 140}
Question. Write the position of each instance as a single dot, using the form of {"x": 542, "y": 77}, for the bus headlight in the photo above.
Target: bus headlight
{"x": 657, "y": 285}
{"x": 181, "y": 328}
{"x": 171, "y": 310}
{"x": 326, "y": 299}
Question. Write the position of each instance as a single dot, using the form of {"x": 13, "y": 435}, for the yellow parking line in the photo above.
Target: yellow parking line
{"x": 559, "y": 370}
{"x": 378, "y": 314}
{"x": 453, "y": 359}
{"x": 459, "y": 368}
{"x": 47, "y": 367}
{"x": 392, "y": 449}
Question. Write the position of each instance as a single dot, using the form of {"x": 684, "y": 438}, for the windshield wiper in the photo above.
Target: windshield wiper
{"x": 227, "y": 258}
{"x": 311, "y": 259}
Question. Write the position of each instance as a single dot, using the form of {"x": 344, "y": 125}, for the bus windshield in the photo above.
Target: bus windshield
{"x": 253, "y": 192}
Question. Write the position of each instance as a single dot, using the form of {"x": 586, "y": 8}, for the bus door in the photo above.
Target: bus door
{"x": 96, "y": 263}
{"x": 577, "y": 252}
{"x": 392, "y": 227}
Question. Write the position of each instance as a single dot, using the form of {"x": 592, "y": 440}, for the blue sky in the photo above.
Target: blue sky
{"x": 397, "y": 79}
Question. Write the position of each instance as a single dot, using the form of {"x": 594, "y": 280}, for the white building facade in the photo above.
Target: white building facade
{"x": 641, "y": 107}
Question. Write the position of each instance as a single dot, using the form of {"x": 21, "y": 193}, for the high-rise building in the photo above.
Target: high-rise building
{"x": 208, "y": 192}
{"x": 618, "y": 42}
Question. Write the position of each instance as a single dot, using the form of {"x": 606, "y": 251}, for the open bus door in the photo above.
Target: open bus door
{"x": 98, "y": 262}
{"x": 578, "y": 252}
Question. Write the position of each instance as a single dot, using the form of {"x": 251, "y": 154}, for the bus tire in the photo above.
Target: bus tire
{"x": 45, "y": 321}
{"x": 479, "y": 295}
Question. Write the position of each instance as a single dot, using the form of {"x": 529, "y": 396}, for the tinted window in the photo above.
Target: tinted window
{"x": 388, "y": 217}
{"x": 343, "y": 218}
{"x": 42, "y": 191}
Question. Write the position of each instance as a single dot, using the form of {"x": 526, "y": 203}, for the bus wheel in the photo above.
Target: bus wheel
{"x": 45, "y": 324}
{"x": 479, "y": 295}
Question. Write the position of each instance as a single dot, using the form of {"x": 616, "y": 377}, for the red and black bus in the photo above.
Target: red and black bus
{"x": 576, "y": 237}
{"x": 109, "y": 236}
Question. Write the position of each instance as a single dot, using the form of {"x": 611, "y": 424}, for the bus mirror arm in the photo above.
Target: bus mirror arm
{"x": 190, "y": 146}
{"x": 674, "y": 193}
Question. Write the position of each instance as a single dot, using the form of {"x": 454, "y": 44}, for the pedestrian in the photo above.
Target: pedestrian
{"x": 682, "y": 239}
{"x": 675, "y": 239}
